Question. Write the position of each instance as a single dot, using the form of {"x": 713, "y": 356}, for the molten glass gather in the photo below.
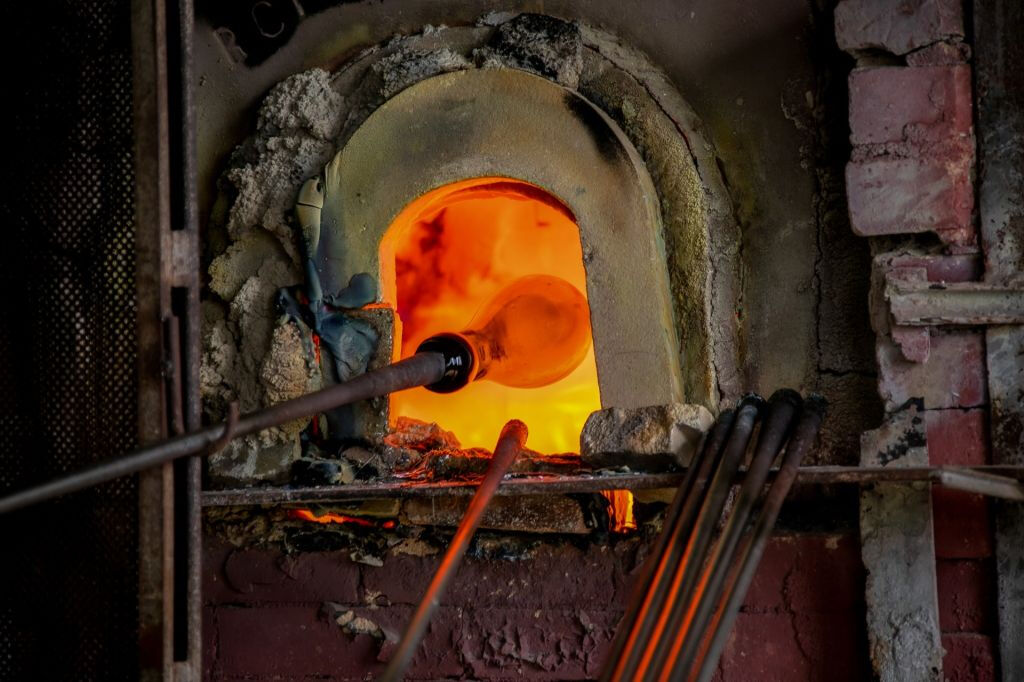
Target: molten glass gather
{"x": 533, "y": 333}
{"x": 502, "y": 259}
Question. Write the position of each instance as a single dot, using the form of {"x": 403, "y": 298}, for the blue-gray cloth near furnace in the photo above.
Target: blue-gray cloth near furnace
{"x": 351, "y": 342}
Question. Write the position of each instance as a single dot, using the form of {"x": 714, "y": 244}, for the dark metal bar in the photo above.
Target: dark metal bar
{"x": 419, "y": 370}
{"x": 510, "y": 444}
{"x": 665, "y": 556}
{"x": 698, "y": 542}
{"x": 1005, "y": 479}
{"x": 697, "y": 607}
{"x": 999, "y": 95}
{"x": 804, "y": 436}
{"x": 186, "y": 254}
{"x": 152, "y": 227}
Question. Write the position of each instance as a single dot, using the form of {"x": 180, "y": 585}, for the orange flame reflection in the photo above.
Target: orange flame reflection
{"x": 620, "y": 512}
{"x": 446, "y": 255}
{"x": 331, "y": 517}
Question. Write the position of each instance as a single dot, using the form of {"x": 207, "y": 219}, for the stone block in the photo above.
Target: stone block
{"x": 898, "y": 551}
{"x": 966, "y": 596}
{"x": 901, "y": 440}
{"x": 655, "y": 438}
{"x": 911, "y": 195}
{"x": 897, "y": 28}
{"x": 912, "y": 104}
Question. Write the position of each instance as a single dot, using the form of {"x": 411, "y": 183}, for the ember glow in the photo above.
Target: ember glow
{"x": 449, "y": 253}
{"x": 620, "y": 513}
{"x": 330, "y": 517}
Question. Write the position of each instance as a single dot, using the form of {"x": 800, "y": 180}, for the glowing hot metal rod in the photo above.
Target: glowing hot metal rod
{"x": 534, "y": 332}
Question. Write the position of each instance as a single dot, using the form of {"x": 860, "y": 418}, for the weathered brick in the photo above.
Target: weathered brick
{"x": 953, "y": 376}
{"x": 911, "y": 195}
{"x": 896, "y": 27}
{"x": 963, "y": 528}
{"x": 945, "y": 53}
{"x": 779, "y": 647}
{"x": 266, "y": 576}
{"x": 969, "y": 658}
{"x": 299, "y": 642}
{"x": 558, "y": 576}
{"x": 550, "y": 615}
{"x": 966, "y": 595}
{"x": 291, "y": 642}
{"x": 215, "y": 587}
{"x": 806, "y": 585}
{"x": 957, "y": 437}
{"x": 210, "y": 664}
{"x": 808, "y": 574}
{"x": 402, "y": 579}
{"x": 913, "y": 104}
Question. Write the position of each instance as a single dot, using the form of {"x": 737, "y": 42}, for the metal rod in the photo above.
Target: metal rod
{"x": 696, "y": 608}
{"x": 699, "y": 539}
{"x": 666, "y": 553}
{"x": 510, "y": 444}
{"x": 803, "y": 437}
{"x": 979, "y": 482}
{"x": 1005, "y": 481}
{"x": 419, "y": 370}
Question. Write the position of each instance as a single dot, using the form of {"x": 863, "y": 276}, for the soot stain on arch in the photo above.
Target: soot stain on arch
{"x": 608, "y": 144}
{"x": 529, "y": 191}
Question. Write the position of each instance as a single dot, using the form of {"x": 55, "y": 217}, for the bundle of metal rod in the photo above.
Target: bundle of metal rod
{"x": 696, "y": 572}
{"x": 510, "y": 444}
{"x": 420, "y": 370}
{"x": 750, "y": 556}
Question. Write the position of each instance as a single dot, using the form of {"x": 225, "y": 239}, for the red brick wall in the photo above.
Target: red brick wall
{"x": 911, "y": 171}
{"x": 547, "y": 617}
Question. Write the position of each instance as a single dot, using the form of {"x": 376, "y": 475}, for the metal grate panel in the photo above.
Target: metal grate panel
{"x": 69, "y": 570}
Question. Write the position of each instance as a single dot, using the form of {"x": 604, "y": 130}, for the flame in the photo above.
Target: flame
{"x": 446, "y": 255}
{"x": 331, "y": 517}
{"x": 620, "y": 512}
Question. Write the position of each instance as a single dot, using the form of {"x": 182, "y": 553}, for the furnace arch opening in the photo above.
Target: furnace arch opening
{"x": 504, "y": 123}
{"x": 448, "y": 253}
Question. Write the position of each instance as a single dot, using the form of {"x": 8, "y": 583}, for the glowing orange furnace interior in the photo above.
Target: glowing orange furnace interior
{"x": 444, "y": 257}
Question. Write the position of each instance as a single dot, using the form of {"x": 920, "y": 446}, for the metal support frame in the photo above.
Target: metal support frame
{"x": 967, "y": 304}
{"x": 996, "y": 481}
{"x": 167, "y": 282}
{"x": 999, "y": 89}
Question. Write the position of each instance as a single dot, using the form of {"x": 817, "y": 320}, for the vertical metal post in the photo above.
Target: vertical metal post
{"x": 999, "y": 89}
{"x": 168, "y": 336}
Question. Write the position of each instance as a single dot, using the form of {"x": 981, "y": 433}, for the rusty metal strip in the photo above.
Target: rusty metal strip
{"x": 968, "y": 304}
{"x": 152, "y": 224}
{"x": 1006, "y": 482}
{"x": 167, "y": 284}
